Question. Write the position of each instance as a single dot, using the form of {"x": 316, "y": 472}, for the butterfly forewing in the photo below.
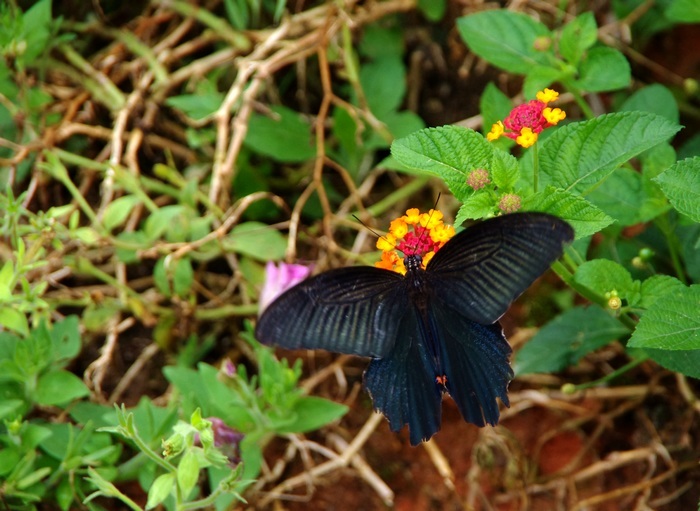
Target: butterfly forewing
{"x": 349, "y": 310}
{"x": 483, "y": 269}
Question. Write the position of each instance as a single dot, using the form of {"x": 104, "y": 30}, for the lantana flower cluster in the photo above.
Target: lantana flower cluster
{"x": 415, "y": 233}
{"x": 525, "y": 122}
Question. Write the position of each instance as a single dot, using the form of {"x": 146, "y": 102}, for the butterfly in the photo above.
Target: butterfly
{"x": 431, "y": 331}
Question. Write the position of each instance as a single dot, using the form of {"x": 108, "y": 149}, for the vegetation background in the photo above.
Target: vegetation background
{"x": 154, "y": 156}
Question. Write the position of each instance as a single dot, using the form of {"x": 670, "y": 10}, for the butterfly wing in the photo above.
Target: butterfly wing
{"x": 485, "y": 267}
{"x": 402, "y": 385}
{"x": 474, "y": 358}
{"x": 353, "y": 310}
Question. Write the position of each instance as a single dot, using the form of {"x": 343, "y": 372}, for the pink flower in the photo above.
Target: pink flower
{"x": 278, "y": 279}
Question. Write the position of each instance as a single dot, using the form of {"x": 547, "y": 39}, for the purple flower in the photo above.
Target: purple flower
{"x": 278, "y": 279}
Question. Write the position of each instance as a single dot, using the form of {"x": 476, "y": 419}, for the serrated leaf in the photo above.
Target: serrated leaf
{"x": 604, "y": 69}
{"x": 577, "y": 36}
{"x": 505, "y": 170}
{"x": 566, "y": 339}
{"x": 448, "y": 152}
{"x": 584, "y": 217}
{"x": 654, "y": 98}
{"x": 671, "y": 323}
{"x": 479, "y": 205}
{"x": 621, "y": 197}
{"x": 681, "y": 184}
{"x": 505, "y": 39}
{"x": 686, "y": 362}
{"x": 286, "y": 137}
{"x": 579, "y": 156}
{"x": 658, "y": 286}
{"x": 603, "y": 276}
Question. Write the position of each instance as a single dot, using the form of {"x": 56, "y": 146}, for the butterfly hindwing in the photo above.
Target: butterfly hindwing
{"x": 353, "y": 310}
{"x": 484, "y": 268}
{"x": 402, "y": 384}
{"x": 474, "y": 358}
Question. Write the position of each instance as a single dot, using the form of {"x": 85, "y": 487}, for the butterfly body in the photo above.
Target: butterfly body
{"x": 432, "y": 330}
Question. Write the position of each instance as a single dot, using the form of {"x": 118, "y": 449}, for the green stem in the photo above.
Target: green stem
{"x": 226, "y": 311}
{"x": 402, "y": 193}
{"x": 664, "y": 225}
{"x": 608, "y": 377}
{"x": 568, "y": 278}
{"x": 583, "y": 105}
{"x": 55, "y": 169}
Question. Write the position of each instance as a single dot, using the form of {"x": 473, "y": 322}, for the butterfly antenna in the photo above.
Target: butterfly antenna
{"x": 370, "y": 229}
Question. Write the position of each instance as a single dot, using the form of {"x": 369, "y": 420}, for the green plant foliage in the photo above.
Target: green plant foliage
{"x": 681, "y": 184}
{"x": 671, "y": 322}
{"x": 566, "y": 339}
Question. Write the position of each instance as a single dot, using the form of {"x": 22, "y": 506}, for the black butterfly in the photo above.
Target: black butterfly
{"x": 429, "y": 331}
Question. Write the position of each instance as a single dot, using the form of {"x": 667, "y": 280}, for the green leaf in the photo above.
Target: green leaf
{"x": 285, "y": 137}
{"x": 65, "y": 337}
{"x": 505, "y": 170}
{"x": 686, "y": 362}
{"x": 479, "y": 205}
{"x": 118, "y": 210}
{"x": 183, "y": 277}
{"x": 566, "y": 339}
{"x": 658, "y": 286}
{"x": 433, "y": 10}
{"x": 188, "y": 472}
{"x": 166, "y": 220}
{"x": 579, "y": 156}
{"x": 59, "y": 387}
{"x": 384, "y": 84}
{"x": 494, "y": 106}
{"x": 621, "y": 196}
{"x": 584, "y": 217}
{"x": 539, "y": 77}
{"x": 379, "y": 41}
{"x": 654, "y": 98}
{"x": 196, "y": 106}
{"x": 14, "y": 320}
{"x": 249, "y": 237}
{"x": 505, "y": 39}
{"x": 577, "y": 36}
{"x": 448, "y": 152}
{"x": 671, "y": 323}
{"x": 312, "y": 413}
{"x": 36, "y": 30}
{"x": 681, "y": 184}
{"x": 604, "y": 69}
{"x": 160, "y": 489}
{"x": 604, "y": 276}
{"x": 684, "y": 11}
